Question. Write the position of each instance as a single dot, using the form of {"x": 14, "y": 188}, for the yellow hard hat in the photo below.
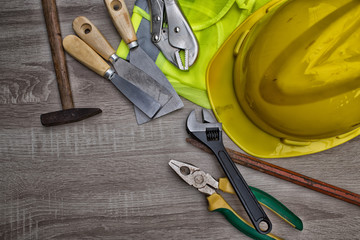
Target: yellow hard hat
{"x": 287, "y": 81}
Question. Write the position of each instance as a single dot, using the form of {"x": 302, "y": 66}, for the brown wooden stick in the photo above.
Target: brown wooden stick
{"x": 57, "y": 51}
{"x": 69, "y": 114}
{"x": 285, "y": 174}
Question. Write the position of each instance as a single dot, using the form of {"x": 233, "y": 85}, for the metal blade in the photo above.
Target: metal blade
{"x": 142, "y": 80}
{"x": 138, "y": 97}
{"x": 141, "y": 60}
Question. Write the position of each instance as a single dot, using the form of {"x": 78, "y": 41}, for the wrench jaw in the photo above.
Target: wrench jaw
{"x": 192, "y": 125}
{"x": 207, "y": 117}
{"x": 209, "y": 132}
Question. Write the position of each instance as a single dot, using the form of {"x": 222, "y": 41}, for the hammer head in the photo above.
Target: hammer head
{"x": 67, "y": 116}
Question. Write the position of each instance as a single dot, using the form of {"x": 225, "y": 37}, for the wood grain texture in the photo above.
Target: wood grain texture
{"x": 82, "y": 52}
{"x": 119, "y": 12}
{"x": 106, "y": 177}
{"x": 90, "y": 34}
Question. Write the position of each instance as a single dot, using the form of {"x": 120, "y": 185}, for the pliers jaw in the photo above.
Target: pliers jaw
{"x": 172, "y": 54}
{"x": 193, "y": 176}
{"x": 205, "y": 183}
{"x": 172, "y": 34}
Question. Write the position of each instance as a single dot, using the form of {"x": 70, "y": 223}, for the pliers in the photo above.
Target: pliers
{"x": 172, "y": 34}
{"x": 206, "y": 184}
{"x": 209, "y": 132}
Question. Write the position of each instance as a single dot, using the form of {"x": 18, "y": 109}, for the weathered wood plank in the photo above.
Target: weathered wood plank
{"x": 107, "y": 178}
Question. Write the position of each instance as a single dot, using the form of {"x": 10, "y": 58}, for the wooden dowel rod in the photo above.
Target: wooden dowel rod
{"x": 285, "y": 174}
{"x": 57, "y": 51}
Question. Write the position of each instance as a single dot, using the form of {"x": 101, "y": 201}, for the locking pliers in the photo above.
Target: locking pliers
{"x": 172, "y": 34}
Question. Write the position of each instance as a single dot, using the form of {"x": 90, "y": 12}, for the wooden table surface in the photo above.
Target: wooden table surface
{"x": 108, "y": 178}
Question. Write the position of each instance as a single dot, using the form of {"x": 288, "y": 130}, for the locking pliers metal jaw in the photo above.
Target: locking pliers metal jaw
{"x": 172, "y": 34}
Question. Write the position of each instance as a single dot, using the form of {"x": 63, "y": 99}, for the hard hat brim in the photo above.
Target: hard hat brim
{"x": 224, "y": 103}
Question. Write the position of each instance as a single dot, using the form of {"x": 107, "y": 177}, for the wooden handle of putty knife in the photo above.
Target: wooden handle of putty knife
{"x": 90, "y": 34}
{"x": 78, "y": 49}
{"x": 57, "y": 51}
{"x": 121, "y": 19}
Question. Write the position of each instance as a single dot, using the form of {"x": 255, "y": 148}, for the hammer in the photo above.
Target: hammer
{"x": 69, "y": 113}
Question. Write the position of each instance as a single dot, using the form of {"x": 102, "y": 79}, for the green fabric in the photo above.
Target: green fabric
{"x": 212, "y": 22}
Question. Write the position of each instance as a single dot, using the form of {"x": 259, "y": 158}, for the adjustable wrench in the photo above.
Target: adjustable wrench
{"x": 209, "y": 132}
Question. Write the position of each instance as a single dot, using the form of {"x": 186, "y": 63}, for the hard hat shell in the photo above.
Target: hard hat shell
{"x": 287, "y": 81}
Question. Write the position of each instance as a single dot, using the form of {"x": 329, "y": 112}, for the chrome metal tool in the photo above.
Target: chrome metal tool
{"x": 121, "y": 18}
{"x": 87, "y": 56}
{"x": 209, "y": 132}
{"x": 91, "y": 35}
{"x": 206, "y": 184}
{"x": 172, "y": 34}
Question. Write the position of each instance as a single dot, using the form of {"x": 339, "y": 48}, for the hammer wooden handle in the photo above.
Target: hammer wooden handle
{"x": 89, "y": 33}
{"x": 57, "y": 51}
{"x": 121, "y": 19}
{"x": 286, "y": 174}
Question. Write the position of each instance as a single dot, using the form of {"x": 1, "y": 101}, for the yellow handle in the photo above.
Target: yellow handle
{"x": 89, "y": 33}
{"x": 121, "y": 19}
{"x": 225, "y": 186}
{"x": 85, "y": 54}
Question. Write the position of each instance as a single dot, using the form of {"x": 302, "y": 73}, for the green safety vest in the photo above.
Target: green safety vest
{"x": 212, "y": 22}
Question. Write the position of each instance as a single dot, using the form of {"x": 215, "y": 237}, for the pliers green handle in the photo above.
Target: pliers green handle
{"x": 205, "y": 183}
